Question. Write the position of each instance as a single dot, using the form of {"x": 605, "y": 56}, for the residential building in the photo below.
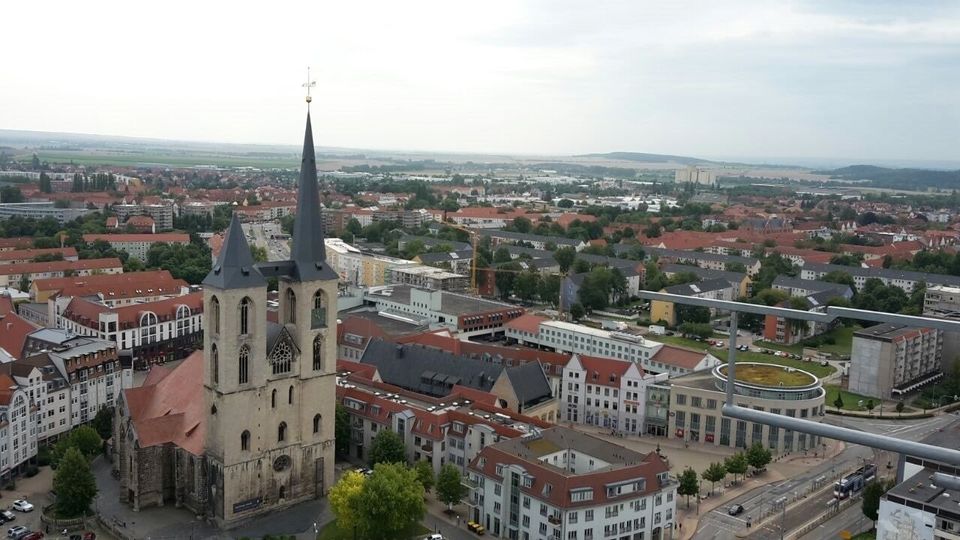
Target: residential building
{"x": 488, "y": 218}
{"x": 18, "y": 427}
{"x": 112, "y": 290}
{"x": 536, "y": 241}
{"x": 714, "y": 289}
{"x": 943, "y": 302}
{"x": 137, "y": 244}
{"x": 702, "y": 259}
{"x": 14, "y": 330}
{"x": 458, "y": 262}
{"x": 23, "y": 256}
{"x": 738, "y": 280}
{"x": 15, "y": 275}
{"x": 428, "y": 277}
{"x": 162, "y": 214}
{"x": 899, "y": 278}
{"x": 563, "y": 484}
{"x": 889, "y": 361}
{"x": 41, "y": 210}
{"x": 467, "y": 315}
{"x": 606, "y": 393}
{"x": 695, "y": 175}
{"x": 696, "y": 399}
{"x": 817, "y": 295}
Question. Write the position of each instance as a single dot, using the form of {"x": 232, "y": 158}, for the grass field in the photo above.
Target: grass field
{"x": 332, "y": 532}
{"x": 769, "y": 375}
{"x": 810, "y": 367}
{"x": 850, "y": 400}
{"x": 843, "y": 336}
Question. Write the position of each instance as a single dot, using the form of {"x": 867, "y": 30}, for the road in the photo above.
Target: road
{"x": 850, "y": 519}
{"x": 718, "y": 525}
{"x": 259, "y": 234}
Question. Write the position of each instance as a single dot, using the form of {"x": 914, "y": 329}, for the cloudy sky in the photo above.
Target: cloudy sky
{"x": 831, "y": 78}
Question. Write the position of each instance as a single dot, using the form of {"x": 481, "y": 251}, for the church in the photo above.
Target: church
{"x": 246, "y": 426}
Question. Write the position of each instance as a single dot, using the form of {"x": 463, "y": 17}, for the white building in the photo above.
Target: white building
{"x": 138, "y": 244}
{"x": 605, "y": 392}
{"x": 563, "y": 484}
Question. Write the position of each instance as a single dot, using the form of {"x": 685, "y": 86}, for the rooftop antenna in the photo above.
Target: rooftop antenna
{"x": 308, "y": 85}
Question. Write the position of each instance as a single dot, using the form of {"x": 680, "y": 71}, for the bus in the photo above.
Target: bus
{"x": 855, "y": 481}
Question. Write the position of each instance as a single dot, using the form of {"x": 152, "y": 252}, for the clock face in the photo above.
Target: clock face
{"x": 281, "y": 463}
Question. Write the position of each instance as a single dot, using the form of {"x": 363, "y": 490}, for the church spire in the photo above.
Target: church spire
{"x": 308, "y": 251}
{"x": 234, "y": 267}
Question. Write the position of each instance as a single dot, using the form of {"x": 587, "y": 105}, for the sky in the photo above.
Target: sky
{"x": 733, "y": 79}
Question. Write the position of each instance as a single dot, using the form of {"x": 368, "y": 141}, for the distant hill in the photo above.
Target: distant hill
{"x": 919, "y": 179}
{"x": 649, "y": 158}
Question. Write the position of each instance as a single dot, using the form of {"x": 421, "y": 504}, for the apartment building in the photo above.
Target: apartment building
{"x": 23, "y": 256}
{"x": 714, "y": 289}
{"x": 112, "y": 290}
{"x": 42, "y": 210}
{"x": 817, "y": 295}
{"x": 943, "y": 302}
{"x": 466, "y": 315}
{"x": 899, "y": 278}
{"x": 702, "y": 259}
{"x": 138, "y": 244}
{"x": 162, "y": 214}
{"x": 562, "y": 484}
{"x": 536, "y": 241}
{"x": 18, "y": 427}
{"x": 695, "y": 402}
{"x": 606, "y": 393}
{"x": 16, "y": 275}
{"x": 889, "y": 361}
{"x": 429, "y": 277}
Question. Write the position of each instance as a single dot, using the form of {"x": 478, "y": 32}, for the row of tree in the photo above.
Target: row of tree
{"x": 757, "y": 456}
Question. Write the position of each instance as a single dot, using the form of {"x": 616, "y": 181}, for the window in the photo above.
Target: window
{"x": 245, "y": 440}
{"x": 588, "y": 515}
{"x": 290, "y": 395}
{"x": 215, "y": 315}
{"x": 316, "y": 423}
{"x": 282, "y": 357}
{"x": 291, "y": 307}
{"x": 318, "y": 315}
{"x": 244, "y": 362}
{"x": 273, "y": 399}
{"x": 245, "y": 305}
{"x": 282, "y": 432}
{"x": 318, "y": 353}
{"x": 214, "y": 364}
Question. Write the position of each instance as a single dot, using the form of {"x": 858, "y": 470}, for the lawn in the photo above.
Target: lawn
{"x": 810, "y": 367}
{"x": 850, "y": 400}
{"x": 843, "y": 342}
{"x": 332, "y": 532}
{"x": 769, "y": 375}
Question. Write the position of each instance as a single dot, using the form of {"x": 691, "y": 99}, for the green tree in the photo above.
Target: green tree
{"x": 526, "y": 285}
{"x": 871, "y": 498}
{"x": 391, "y": 502}
{"x": 838, "y": 403}
{"x": 736, "y": 465}
{"x": 354, "y": 227}
{"x": 345, "y": 500}
{"x": 870, "y": 405}
{"x": 692, "y": 314}
{"x": 521, "y": 225}
{"x": 700, "y": 330}
{"x": 84, "y": 438}
{"x": 387, "y": 447}
{"x": 502, "y": 255}
{"x": 24, "y": 283}
{"x": 577, "y": 312}
{"x": 653, "y": 231}
{"x": 758, "y": 456}
{"x": 103, "y": 422}
{"x": 74, "y": 484}
{"x": 259, "y": 253}
{"x": 716, "y": 472}
{"x": 689, "y": 484}
{"x": 565, "y": 257}
{"x": 549, "y": 289}
{"x": 425, "y": 474}
{"x": 10, "y": 194}
{"x": 342, "y": 431}
{"x": 450, "y": 488}
{"x": 564, "y": 203}
{"x": 900, "y": 407}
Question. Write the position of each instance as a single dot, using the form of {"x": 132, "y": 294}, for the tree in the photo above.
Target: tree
{"x": 692, "y": 314}
{"x": 521, "y": 224}
{"x": 387, "y": 447}
{"x": 74, "y": 484}
{"x": 565, "y": 257}
{"x": 425, "y": 475}
{"x": 564, "y": 203}
{"x": 700, "y": 330}
{"x": 871, "y": 498}
{"x": 259, "y": 253}
{"x": 870, "y": 405}
{"x": 10, "y": 194}
{"x": 502, "y": 255}
{"x": 391, "y": 502}
{"x": 736, "y": 464}
{"x": 900, "y": 407}
{"x": 838, "y": 403}
{"x": 653, "y": 231}
{"x": 689, "y": 484}
{"x": 549, "y": 289}
{"x": 577, "y": 312}
{"x": 716, "y": 472}
{"x": 84, "y": 438}
{"x": 526, "y": 285}
{"x": 450, "y": 488}
{"x": 345, "y": 500}
{"x": 342, "y": 431}
{"x": 103, "y": 422}
{"x": 758, "y": 456}
{"x": 24, "y": 283}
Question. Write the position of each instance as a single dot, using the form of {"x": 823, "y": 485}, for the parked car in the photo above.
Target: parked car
{"x": 84, "y": 536}
{"x": 21, "y": 505}
{"x": 735, "y": 510}
{"x": 16, "y": 531}
{"x": 35, "y": 535}
{"x": 435, "y": 537}
{"x": 6, "y": 516}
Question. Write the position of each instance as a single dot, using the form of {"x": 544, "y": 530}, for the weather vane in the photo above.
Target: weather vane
{"x": 308, "y": 85}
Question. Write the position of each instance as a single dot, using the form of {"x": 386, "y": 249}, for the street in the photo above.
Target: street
{"x": 260, "y": 234}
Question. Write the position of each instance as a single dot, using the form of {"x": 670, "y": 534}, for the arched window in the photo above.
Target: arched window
{"x": 316, "y": 423}
{"x": 244, "y": 361}
{"x": 215, "y": 315}
{"x": 148, "y": 327}
{"x": 214, "y": 364}
{"x": 273, "y": 398}
{"x": 245, "y": 440}
{"x": 183, "y": 320}
{"x": 245, "y": 306}
{"x": 291, "y": 307}
{"x": 282, "y": 432}
{"x": 282, "y": 358}
{"x": 318, "y": 353}
{"x": 318, "y": 315}
{"x": 290, "y": 395}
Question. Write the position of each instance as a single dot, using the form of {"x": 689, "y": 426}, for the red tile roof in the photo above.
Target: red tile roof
{"x": 7, "y": 385}
{"x": 527, "y": 323}
{"x": 678, "y": 356}
{"x": 60, "y": 266}
{"x": 171, "y": 410}
{"x": 80, "y": 308}
{"x": 520, "y": 355}
{"x": 22, "y": 242}
{"x": 28, "y": 254}
{"x": 605, "y": 368}
{"x": 182, "y": 238}
{"x": 129, "y": 285}
{"x": 13, "y": 328}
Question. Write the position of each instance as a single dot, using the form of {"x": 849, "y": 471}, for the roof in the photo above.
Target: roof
{"x": 530, "y": 383}
{"x": 60, "y": 266}
{"x": 14, "y": 329}
{"x": 699, "y": 287}
{"x": 181, "y": 238}
{"x": 116, "y": 286}
{"x": 7, "y": 388}
{"x": 885, "y": 273}
{"x": 678, "y": 356}
{"x": 890, "y": 332}
{"x": 621, "y": 465}
{"x": 171, "y": 409}
{"x": 809, "y": 285}
{"x": 28, "y": 254}
{"x": 527, "y": 237}
{"x": 130, "y": 314}
{"x": 308, "y": 252}
{"x": 608, "y": 370}
{"x": 705, "y": 273}
{"x": 234, "y": 268}
{"x": 527, "y": 323}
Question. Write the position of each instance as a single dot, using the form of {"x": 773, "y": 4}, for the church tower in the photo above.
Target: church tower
{"x": 270, "y": 386}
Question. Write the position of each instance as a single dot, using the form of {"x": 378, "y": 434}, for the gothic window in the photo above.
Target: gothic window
{"x": 273, "y": 398}
{"x": 214, "y": 364}
{"x": 316, "y": 423}
{"x": 215, "y": 315}
{"x": 244, "y": 367}
{"x": 290, "y": 395}
{"x": 318, "y": 315}
{"x": 245, "y": 306}
{"x": 291, "y": 307}
{"x": 245, "y": 440}
{"x": 282, "y": 432}
{"x": 282, "y": 357}
{"x": 318, "y": 353}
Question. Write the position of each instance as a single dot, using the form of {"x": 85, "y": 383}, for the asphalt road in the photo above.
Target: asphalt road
{"x": 259, "y": 235}
{"x": 850, "y": 519}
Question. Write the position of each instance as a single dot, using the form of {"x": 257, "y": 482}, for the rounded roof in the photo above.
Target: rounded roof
{"x": 769, "y": 375}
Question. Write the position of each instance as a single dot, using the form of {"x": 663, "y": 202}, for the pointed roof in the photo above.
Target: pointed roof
{"x": 234, "y": 267}
{"x": 309, "y": 252}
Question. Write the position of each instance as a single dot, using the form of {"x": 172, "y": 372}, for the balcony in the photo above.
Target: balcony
{"x": 554, "y": 519}
{"x": 427, "y": 448}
